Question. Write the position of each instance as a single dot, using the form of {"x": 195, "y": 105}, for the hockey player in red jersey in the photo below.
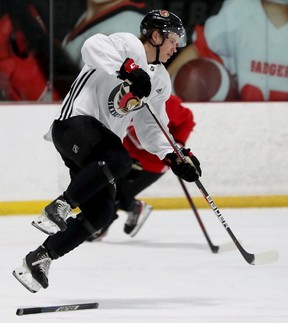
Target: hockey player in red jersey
{"x": 22, "y": 76}
{"x": 24, "y": 56}
{"x": 146, "y": 169}
{"x": 122, "y": 77}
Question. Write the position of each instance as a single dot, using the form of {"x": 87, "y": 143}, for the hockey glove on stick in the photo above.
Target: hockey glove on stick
{"x": 140, "y": 81}
{"x": 189, "y": 170}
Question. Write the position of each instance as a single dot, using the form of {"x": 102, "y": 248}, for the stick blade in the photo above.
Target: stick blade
{"x": 267, "y": 257}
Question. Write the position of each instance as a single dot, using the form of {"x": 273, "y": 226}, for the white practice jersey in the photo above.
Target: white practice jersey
{"x": 97, "y": 91}
{"x": 126, "y": 21}
{"x": 251, "y": 47}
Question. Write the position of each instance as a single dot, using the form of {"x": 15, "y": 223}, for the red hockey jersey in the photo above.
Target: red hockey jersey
{"x": 180, "y": 126}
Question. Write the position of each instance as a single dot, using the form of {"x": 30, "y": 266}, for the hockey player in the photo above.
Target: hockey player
{"x": 247, "y": 37}
{"x": 121, "y": 76}
{"x": 146, "y": 169}
{"x": 105, "y": 17}
{"x": 24, "y": 58}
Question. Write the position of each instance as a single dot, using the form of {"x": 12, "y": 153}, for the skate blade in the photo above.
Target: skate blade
{"x": 24, "y": 276}
{"x": 45, "y": 225}
{"x": 144, "y": 217}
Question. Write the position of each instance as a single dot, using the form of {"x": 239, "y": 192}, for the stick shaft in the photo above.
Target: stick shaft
{"x": 59, "y": 308}
{"x": 250, "y": 258}
{"x": 213, "y": 248}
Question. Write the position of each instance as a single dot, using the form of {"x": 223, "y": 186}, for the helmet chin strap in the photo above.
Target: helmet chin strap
{"x": 157, "y": 48}
{"x": 157, "y": 55}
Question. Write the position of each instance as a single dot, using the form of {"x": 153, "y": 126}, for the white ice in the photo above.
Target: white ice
{"x": 165, "y": 274}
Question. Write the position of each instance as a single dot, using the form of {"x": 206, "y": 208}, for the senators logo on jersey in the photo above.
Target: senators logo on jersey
{"x": 122, "y": 101}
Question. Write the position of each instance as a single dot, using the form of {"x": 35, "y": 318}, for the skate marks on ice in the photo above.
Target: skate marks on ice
{"x": 166, "y": 274}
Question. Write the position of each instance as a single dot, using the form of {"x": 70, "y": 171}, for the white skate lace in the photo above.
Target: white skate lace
{"x": 43, "y": 264}
{"x": 134, "y": 216}
{"x": 63, "y": 209}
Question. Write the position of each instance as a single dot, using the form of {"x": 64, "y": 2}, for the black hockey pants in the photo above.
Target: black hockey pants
{"x": 84, "y": 144}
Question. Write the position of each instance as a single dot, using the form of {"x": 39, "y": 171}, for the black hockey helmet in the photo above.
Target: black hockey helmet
{"x": 166, "y": 22}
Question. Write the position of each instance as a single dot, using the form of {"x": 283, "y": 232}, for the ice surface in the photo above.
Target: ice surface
{"x": 165, "y": 274}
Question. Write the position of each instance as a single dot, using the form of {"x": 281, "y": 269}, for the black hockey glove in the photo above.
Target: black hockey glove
{"x": 140, "y": 81}
{"x": 189, "y": 170}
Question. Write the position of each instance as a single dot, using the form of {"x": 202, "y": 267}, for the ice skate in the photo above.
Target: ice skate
{"x": 33, "y": 274}
{"x": 53, "y": 218}
{"x": 137, "y": 217}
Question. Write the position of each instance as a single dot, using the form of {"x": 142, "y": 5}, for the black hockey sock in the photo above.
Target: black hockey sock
{"x": 90, "y": 180}
{"x": 95, "y": 213}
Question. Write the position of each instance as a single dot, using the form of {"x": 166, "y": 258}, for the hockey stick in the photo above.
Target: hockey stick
{"x": 215, "y": 249}
{"x": 59, "y": 308}
{"x": 252, "y": 259}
